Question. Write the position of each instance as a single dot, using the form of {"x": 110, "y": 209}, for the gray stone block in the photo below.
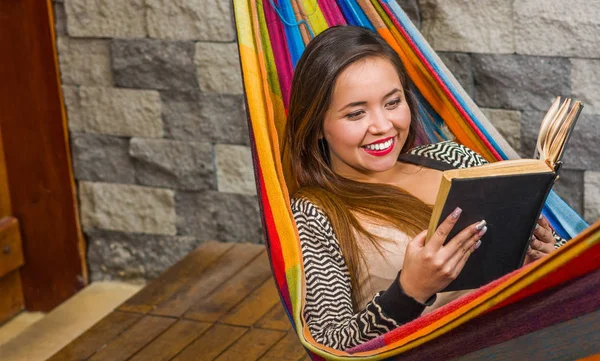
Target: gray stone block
{"x": 173, "y": 164}
{"x": 218, "y": 67}
{"x": 557, "y": 28}
{"x": 153, "y": 64}
{"x": 101, "y": 158}
{"x": 219, "y": 216}
{"x": 84, "y": 61}
{"x": 459, "y": 65}
{"x": 60, "y": 18}
{"x": 591, "y": 182}
{"x": 411, "y": 8}
{"x": 582, "y": 151}
{"x": 468, "y": 26}
{"x": 127, "y": 208}
{"x": 235, "y": 171}
{"x": 585, "y": 77}
{"x": 508, "y": 124}
{"x": 129, "y": 256}
{"x": 520, "y": 82}
{"x": 106, "y": 18}
{"x": 190, "y": 20}
{"x": 570, "y": 187}
{"x": 115, "y": 111}
{"x": 205, "y": 118}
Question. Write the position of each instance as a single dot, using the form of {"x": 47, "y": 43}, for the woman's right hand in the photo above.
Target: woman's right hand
{"x": 429, "y": 268}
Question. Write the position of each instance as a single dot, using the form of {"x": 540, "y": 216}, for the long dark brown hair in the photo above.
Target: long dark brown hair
{"x": 324, "y": 58}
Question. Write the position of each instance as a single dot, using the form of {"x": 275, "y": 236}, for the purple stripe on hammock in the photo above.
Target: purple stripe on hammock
{"x": 331, "y": 12}
{"x": 283, "y": 61}
{"x": 559, "y": 304}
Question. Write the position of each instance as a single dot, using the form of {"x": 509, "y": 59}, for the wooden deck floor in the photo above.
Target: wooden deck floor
{"x": 218, "y": 303}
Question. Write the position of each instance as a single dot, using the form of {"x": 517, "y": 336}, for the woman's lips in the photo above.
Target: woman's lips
{"x": 382, "y": 152}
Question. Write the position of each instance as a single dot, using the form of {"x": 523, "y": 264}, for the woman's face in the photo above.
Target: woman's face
{"x": 368, "y": 120}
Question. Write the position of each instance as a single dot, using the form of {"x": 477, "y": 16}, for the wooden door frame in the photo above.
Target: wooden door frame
{"x": 34, "y": 131}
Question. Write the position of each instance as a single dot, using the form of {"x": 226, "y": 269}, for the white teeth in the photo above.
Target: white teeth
{"x": 380, "y": 146}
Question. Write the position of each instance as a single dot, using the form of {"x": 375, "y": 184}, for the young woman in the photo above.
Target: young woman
{"x": 366, "y": 193}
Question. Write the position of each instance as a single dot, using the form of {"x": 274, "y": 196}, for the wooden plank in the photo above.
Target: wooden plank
{"x": 180, "y": 275}
{"x": 212, "y": 343}
{"x": 36, "y": 148}
{"x": 11, "y": 254}
{"x": 133, "y": 339}
{"x": 576, "y": 338}
{"x": 217, "y": 273}
{"x": 11, "y": 295}
{"x": 5, "y": 208}
{"x": 252, "y": 345}
{"x": 233, "y": 291}
{"x": 288, "y": 348}
{"x": 170, "y": 343}
{"x": 275, "y": 319}
{"x": 96, "y": 337}
{"x": 254, "y": 306}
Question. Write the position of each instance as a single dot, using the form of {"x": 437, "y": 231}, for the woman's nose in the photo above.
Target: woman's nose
{"x": 380, "y": 124}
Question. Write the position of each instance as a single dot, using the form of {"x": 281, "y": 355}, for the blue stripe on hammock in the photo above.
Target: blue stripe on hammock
{"x": 354, "y": 14}
{"x": 285, "y": 12}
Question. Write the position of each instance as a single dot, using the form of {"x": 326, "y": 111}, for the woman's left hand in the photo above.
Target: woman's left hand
{"x": 542, "y": 242}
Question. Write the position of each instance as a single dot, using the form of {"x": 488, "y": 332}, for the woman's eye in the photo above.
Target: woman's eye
{"x": 354, "y": 115}
{"x": 393, "y": 104}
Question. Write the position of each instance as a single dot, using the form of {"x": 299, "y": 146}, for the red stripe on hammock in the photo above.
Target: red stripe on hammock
{"x": 277, "y": 262}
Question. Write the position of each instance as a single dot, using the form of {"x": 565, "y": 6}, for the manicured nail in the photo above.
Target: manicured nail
{"x": 532, "y": 237}
{"x": 537, "y": 226}
{"x": 480, "y": 225}
{"x": 482, "y": 231}
{"x": 529, "y": 249}
{"x": 477, "y": 244}
{"x": 456, "y": 213}
{"x": 540, "y": 216}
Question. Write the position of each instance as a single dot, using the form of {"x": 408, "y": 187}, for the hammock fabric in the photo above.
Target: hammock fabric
{"x": 271, "y": 37}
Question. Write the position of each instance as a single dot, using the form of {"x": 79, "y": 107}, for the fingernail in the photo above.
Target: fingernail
{"x": 532, "y": 237}
{"x": 540, "y": 216}
{"x": 477, "y": 244}
{"x": 528, "y": 248}
{"x": 482, "y": 231}
{"x": 456, "y": 212}
{"x": 480, "y": 225}
{"x": 536, "y": 226}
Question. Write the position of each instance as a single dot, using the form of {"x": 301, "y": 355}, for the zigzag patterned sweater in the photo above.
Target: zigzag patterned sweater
{"x": 328, "y": 309}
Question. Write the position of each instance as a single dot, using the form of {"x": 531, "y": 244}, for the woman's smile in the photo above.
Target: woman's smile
{"x": 381, "y": 147}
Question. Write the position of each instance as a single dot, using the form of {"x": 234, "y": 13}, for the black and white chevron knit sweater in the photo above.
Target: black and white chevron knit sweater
{"x": 328, "y": 307}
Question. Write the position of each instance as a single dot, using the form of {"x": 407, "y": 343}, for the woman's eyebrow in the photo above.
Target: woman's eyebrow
{"x": 354, "y": 104}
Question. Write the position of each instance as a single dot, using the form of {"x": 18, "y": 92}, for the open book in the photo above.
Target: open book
{"x": 509, "y": 195}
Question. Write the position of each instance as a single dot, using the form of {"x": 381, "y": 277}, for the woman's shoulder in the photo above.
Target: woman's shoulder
{"x": 304, "y": 210}
{"x": 450, "y": 152}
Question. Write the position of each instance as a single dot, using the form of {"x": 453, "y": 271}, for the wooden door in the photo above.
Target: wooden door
{"x": 11, "y": 253}
{"x": 36, "y": 182}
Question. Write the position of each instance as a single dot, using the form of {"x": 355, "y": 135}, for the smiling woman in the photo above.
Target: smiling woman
{"x": 366, "y": 192}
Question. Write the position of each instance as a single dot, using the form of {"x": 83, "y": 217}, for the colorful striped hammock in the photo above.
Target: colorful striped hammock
{"x": 271, "y": 36}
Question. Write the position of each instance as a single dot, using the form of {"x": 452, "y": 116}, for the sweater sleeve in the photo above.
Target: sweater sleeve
{"x": 328, "y": 307}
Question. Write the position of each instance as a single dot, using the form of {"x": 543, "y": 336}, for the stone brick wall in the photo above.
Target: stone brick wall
{"x": 157, "y": 121}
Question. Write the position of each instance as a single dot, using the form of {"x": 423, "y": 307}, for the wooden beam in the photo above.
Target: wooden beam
{"x": 38, "y": 166}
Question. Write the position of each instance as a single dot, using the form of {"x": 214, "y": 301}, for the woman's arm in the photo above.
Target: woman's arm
{"x": 328, "y": 306}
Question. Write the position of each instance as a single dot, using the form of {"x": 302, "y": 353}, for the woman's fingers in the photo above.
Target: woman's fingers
{"x": 441, "y": 233}
{"x": 472, "y": 240}
{"x": 541, "y": 246}
{"x": 543, "y": 233}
